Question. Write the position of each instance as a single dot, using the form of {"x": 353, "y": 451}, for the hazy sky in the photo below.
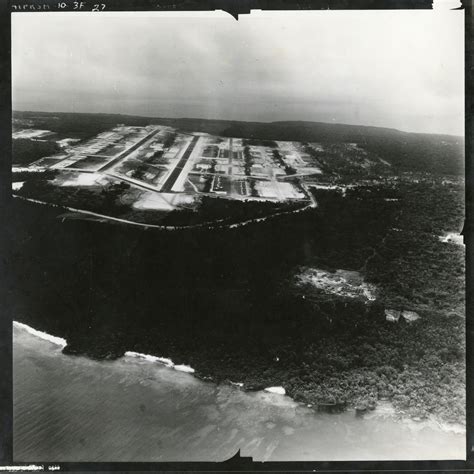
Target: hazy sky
{"x": 400, "y": 69}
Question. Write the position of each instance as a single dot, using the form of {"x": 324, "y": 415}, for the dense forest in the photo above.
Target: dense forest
{"x": 25, "y": 151}
{"x": 224, "y": 301}
{"x": 414, "y": 268}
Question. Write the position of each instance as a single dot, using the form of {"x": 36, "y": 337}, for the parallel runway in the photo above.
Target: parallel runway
{"x": 169, "y": 183}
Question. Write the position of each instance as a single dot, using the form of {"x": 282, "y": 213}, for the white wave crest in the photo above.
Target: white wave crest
{"x": 277, "y": 390}
{"x": 184, "y": 368}
{"x": 59, "y": 341}
{"x": 161, "y": 360}
{"x": 150, "y": 358}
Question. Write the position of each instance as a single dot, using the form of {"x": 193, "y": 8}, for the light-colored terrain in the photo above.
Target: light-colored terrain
{"x": 167, "y": 173}
{"x": 345, "y": 283}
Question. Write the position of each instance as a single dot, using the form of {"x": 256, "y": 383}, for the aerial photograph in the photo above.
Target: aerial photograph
{"x": 237, "y": 237}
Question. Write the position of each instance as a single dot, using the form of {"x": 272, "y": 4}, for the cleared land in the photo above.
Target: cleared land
{"x": 164, "y": 161}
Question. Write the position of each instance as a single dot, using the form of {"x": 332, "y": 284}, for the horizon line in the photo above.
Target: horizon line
{"x": 243, "y": 121}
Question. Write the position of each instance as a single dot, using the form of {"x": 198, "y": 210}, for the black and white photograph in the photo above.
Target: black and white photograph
{"x": 238, "y": 237}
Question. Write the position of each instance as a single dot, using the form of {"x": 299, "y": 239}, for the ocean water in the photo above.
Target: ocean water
{"x": 69, "y": 408}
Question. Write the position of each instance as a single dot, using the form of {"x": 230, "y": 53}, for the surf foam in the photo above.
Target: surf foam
{"x": 161, "y": 360}
{"x": 277, "y": 390}
{"x": 59, "y": 341}
{"x": 184, "y": 368}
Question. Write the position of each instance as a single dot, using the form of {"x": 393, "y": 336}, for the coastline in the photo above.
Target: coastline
{"x": 383, "y": 409}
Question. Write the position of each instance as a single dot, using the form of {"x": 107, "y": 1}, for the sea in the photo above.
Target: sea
{"x": 75, "y": 409}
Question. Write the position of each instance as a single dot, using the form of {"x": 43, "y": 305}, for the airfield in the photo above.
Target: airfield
{"x": 175, "y": 167}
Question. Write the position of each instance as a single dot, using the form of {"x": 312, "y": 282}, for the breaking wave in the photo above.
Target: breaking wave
{"x": 161, "y": 360}
{"x": 59, "y": 341}
{"x": 277, "y": 390}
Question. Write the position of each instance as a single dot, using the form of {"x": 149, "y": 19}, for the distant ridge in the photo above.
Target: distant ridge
{"x": 405, "y": 151}
{"x": 237, "y": 122}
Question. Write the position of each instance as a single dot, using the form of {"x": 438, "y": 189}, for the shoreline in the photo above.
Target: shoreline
{"x": 383, "y": 409}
